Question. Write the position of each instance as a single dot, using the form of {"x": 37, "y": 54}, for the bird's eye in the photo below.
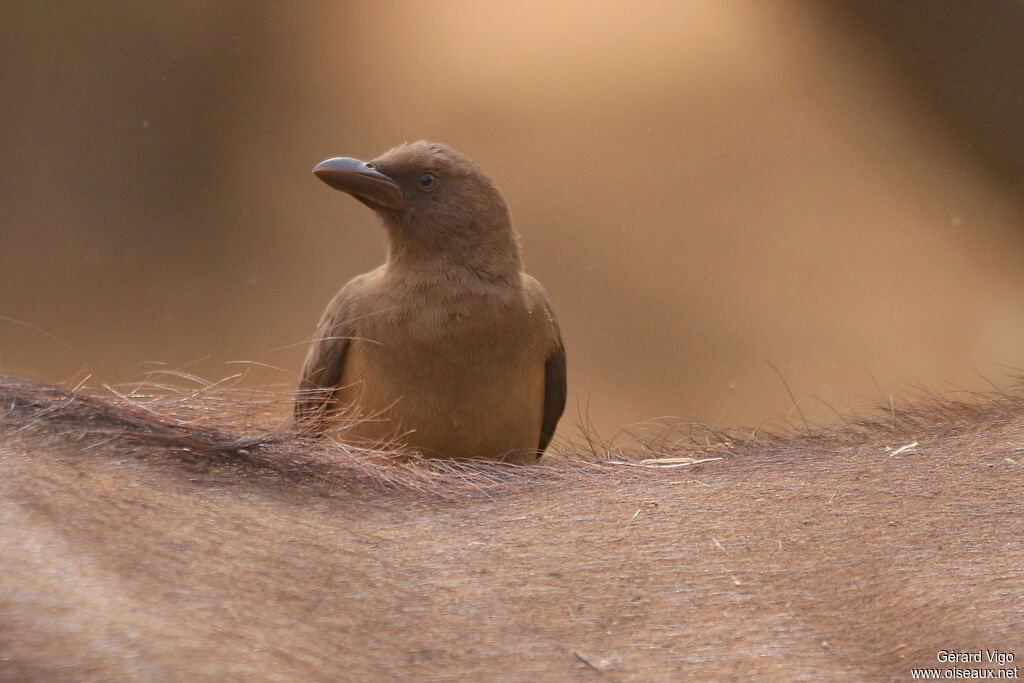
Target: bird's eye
{"x": 428, "y": 181}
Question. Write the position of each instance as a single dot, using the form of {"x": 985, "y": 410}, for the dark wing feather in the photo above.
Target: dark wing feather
{"x": 325, "y": 362}
{"x": 554, "y": 385}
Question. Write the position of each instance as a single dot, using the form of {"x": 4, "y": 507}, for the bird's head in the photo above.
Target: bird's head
{"x": 430, "y": 197}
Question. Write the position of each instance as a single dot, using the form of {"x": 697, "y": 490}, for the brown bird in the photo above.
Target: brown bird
{"x": 448, "y": 346}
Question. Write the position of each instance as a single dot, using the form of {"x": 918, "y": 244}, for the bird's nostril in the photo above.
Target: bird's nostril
{"x": 370, "y": 164}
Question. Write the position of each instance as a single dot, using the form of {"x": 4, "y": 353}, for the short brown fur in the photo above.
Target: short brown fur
{"x": 136, "y": 545}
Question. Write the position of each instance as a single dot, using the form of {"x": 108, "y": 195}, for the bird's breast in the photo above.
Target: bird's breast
{"x": 465, "y": 379}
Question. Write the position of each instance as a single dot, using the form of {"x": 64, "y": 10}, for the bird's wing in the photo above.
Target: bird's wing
{"x": 325, "y": 362}
{"x": 554, "y": 381}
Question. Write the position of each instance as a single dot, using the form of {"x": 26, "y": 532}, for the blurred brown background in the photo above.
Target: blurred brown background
{"x": 702, "y": 186}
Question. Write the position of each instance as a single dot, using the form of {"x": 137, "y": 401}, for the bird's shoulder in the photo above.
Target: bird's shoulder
{"x": 351, "y": 298}
{"x": 537, "y": 304}
{"x": 534, "y": 294}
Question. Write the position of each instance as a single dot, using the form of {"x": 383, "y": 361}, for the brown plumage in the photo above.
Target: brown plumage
{"x": 448, "y": 346}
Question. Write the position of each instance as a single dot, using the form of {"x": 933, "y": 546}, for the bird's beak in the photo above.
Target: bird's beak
{"x": 361, "y": 180}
